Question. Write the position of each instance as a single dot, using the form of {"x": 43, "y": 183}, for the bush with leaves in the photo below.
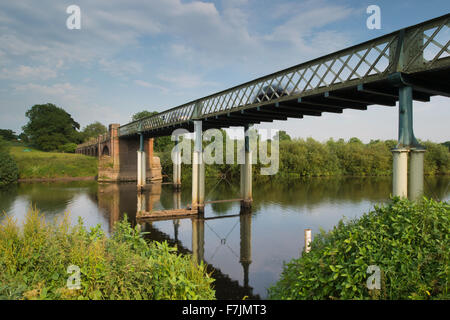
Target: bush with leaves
{"x": 34, "y": 261}
{"x": 8, "y": 169}
{"x": 68, "y": 148}
{"x": 408, "y": 241}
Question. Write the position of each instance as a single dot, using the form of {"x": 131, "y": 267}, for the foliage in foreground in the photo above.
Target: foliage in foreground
{"x": 408, "y": 241}
{"x": 34, "y": 262}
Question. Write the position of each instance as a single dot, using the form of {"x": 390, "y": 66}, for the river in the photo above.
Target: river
{"x": 244, "y": 252}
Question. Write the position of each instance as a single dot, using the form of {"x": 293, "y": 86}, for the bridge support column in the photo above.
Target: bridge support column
{"x": 400, "y": 173}
{"x": 416, "y": 159}
{"x": 407, "y": 144}
{"x": 198, "y": 170}
{"x": 246, "y": 174}
{"x": 141, "y": 167}
{"x": 177, "y": 165}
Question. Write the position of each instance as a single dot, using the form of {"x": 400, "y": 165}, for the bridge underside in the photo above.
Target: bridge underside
{"x": 358, "y": 97}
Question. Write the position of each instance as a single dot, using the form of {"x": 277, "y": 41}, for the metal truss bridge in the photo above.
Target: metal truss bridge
{"x": 353, "y": 78}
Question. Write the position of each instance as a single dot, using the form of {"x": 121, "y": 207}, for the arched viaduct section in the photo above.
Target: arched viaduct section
{"x": 117, "y": 159}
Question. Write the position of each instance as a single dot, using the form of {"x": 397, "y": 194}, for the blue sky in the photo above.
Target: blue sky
{"x": 152, "y": 55}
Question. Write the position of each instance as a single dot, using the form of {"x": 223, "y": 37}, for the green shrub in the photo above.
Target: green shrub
{"x": 68, "y": 148}
{"x": 408, "y": 241}
{"x": 4, "y": 145}
{"x": 34, "y": 261}
{"x": 8, "y": 169}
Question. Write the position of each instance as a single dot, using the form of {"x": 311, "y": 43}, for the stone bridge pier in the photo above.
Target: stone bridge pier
{"x": 118, "y": 157}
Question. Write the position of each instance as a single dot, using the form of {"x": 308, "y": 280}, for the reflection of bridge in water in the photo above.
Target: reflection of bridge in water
{"x": 115, "y": 199}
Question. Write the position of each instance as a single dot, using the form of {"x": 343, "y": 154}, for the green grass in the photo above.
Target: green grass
{"x": 35, "y": 258}
{"x": 36, "y": 164}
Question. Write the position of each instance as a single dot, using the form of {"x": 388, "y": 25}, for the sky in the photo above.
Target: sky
{"x": 152, "y": 55}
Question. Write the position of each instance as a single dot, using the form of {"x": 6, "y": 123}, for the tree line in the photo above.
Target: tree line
{"x": 311, "y": 158}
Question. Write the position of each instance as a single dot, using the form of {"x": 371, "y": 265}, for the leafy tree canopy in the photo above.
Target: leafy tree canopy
{"x": 8, "y": 135}
{"x": 49, "y": 127}
{"x": 93, "y": 130}
{"x": 283, "y": 136}
{"x": 142, "y": 114}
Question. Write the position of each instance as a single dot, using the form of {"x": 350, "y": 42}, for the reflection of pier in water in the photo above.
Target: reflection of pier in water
{"x": 117, "y": 199}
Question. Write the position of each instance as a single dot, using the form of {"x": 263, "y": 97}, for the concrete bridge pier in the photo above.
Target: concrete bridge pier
{"x": 416, "y": 160}
{"x": 198, "y": 170}
{"x": 141, "y": 165}
{"x": 177, "y": 165}
{"x": 407, "y": 146}
{"x": 246, "y": 174}
{"x": 400, "y": 172}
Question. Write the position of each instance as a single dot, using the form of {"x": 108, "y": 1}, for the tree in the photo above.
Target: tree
{"x": 142, "y": 114}
{"x": 68, "y": 148}
{"x": 8, "y": 169}
{"x": 160, "y": 143}
{"x": 8, "y": 135}
{"x": 49, "y": 127}
{"x": 23, "y": 138}
{"x": 4, "y": 146}
{"x": 93, "y": 130}
{"x": 283, "y": 136}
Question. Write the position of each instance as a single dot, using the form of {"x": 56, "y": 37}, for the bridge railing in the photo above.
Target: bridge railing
{"x": 94, "y": 141}
{"x": 421, "y": 47}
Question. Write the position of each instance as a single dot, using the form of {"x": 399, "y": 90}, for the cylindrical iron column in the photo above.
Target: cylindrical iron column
{"x": 177, "y": 165}
{"x": 198, "y": 170}
{"x": 416, "y": 157}
{"x": 407, "y": 144}
{"x": 141, "y": 167}
{"x": 241, "y": 167}
{"x": 400, "y": 173}
{"x": 247, "y": 172}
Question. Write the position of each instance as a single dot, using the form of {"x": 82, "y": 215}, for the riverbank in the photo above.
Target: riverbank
{"x": 35, "y": 165}
{"x": 53, "y": 260}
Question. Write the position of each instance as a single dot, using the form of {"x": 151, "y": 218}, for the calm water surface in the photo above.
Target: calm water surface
{"x": 245, "y": 252}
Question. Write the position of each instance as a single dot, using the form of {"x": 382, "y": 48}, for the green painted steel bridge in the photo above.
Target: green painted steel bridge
{"x": 370, "y": 73}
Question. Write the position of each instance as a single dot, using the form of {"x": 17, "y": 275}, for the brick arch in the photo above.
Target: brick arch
{"x": 105, "y": 151}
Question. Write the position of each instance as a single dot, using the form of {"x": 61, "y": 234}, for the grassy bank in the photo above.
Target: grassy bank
{"x": 35, "y": 257}
{"x": 407, "y": 241}
{"x": 34, "y": 164}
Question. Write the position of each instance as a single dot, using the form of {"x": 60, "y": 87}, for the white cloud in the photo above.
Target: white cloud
{"x": 26, "y": 72}
{"x": 120, "y": 68}
{"x": 65, "y": 90}
{"x": 146, "y": 84}
{"x": 186, "y": 81}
